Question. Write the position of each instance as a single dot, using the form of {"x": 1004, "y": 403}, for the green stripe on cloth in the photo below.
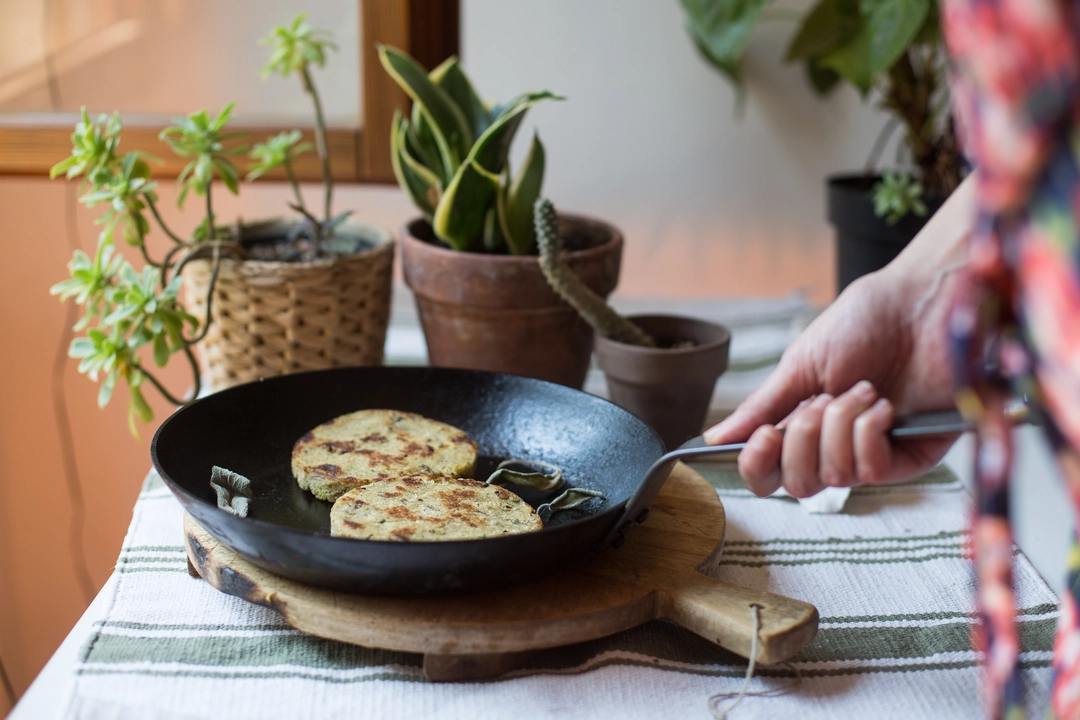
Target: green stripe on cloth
{"x": 661, "y": 641}
{"x": 841, "y": 541}
{"x": 304, "y": 650}
{"x": 904, "y": 548}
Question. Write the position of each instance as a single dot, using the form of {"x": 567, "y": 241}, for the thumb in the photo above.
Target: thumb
{"x": 781, "y": 392}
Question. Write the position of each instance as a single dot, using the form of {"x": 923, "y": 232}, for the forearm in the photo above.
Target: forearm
{"x": 938, "y": 251}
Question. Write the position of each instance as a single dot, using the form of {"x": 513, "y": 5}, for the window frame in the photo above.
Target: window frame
{"x": 31, "y": 143}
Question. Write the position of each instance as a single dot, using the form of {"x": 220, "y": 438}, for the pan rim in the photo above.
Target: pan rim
{"x": 174, "y": 487}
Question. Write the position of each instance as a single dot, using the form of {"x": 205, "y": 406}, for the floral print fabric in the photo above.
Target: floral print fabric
{"x": 1016, "y": 329}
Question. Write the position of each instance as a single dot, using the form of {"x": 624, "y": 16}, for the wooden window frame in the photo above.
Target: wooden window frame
{"x": 427, "y": 29}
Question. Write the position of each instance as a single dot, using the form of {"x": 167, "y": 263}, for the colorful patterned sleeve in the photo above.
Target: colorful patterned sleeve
{"x": 1016, "y": 329}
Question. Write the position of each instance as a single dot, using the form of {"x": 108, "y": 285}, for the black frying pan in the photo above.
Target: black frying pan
{"x": 250, "y": 429}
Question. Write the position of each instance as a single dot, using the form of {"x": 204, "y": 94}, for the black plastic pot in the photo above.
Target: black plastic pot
{"x": 865, "y": 242}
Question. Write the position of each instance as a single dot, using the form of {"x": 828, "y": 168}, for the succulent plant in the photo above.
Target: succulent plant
{"x": 590, "y": 306}
{"x": 452, "y": 158}
{"x": 125, "y": 311}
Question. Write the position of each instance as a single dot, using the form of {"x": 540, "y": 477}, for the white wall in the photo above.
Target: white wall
{"x": 649, "y": 139}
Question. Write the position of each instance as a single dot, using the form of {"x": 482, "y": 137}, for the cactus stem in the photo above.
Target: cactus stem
{"x": 590, "y": 306}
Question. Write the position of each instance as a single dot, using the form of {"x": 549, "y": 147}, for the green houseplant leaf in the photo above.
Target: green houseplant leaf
{"x": 478, "y": 178}
{"x": 516, "y": 204}
{"x": 422, "y": 185}
{"x": 829, "y": 25}
{"x": 449, "y": 126}
{"x": 450, "y": 77}
{"x": 459, "y": 218}
{"x": 722, "y": 28}
{"x": 887, "y": 28}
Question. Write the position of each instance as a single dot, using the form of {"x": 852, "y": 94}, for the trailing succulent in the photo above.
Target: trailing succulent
{"x": 125, "y": 310}
{"x": 590, "y": 306}
{"x": 451, "y": 157}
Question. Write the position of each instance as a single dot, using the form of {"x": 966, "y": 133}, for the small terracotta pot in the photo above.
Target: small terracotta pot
{"x": 669, "y": 389}
{"x": 497, "y": 312}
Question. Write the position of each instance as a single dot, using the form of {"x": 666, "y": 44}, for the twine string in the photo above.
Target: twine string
{"x": 714, "y": 702}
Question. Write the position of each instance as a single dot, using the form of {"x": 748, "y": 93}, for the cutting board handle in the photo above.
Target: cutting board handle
{"x": 721, "y": 612}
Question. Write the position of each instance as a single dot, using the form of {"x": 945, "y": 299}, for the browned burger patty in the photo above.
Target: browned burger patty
{"x": 424, "y": 508}
{"x": 369, "y": 445}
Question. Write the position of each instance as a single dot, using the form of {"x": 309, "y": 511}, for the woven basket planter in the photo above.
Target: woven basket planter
{"x": 271, "y": 318}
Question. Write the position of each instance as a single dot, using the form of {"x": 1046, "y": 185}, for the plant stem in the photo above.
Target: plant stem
{"x": 146, "y": 256}
{"x": 209, "y": 215}
{"x": 161, "y": 223}
{"x": 164, "y": 391}
{"x": 200, "y": 252}
{"x": 215, "y": 269}
{"x": 316, "y": 238}
{"x": 295, "y": 185}
{"x": 320, "y": 137}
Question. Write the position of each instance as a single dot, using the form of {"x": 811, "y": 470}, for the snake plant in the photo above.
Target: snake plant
{"x": 451, "y": 156}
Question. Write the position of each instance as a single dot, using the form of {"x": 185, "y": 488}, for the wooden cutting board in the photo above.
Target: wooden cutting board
{"x": 655, "y": 574}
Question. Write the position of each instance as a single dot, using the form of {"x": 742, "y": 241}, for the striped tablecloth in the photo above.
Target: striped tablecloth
{"x": 890, "y": 577}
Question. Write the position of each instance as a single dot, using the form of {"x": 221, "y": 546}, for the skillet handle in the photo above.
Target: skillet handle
{"x": 935, "y": 424}
{"x": 722, "y": 613}
{"x": 638, "y": 504}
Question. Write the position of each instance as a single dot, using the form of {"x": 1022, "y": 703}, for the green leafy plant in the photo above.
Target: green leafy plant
{"x": 127, "y": 311}
{"x": 452, "y": 158}
{"x": 897, "y": 195}
{"x": 892, "y": 47}
{"x": 295, "y": 48}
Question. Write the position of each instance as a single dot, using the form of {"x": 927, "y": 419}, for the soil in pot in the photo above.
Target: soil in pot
{"x": 271, "y": 317}
{"x": 669, "y": 386}
{"x": 497, "y": 312}
{"x": 864, "y": 241}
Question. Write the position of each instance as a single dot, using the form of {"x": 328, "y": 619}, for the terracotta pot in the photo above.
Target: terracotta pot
{"x": 270, "y": 318}
{"x": 496, "y": 312}
{"x": 669, "y": 389}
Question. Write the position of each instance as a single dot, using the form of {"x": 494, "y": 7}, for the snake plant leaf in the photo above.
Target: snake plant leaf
{"x": 516, "y": 204}
{"x": 830, "y": 25}
{"x": 422, "y": 145}
{"x": 493, "y": 147}
{"x": 494, "y": 241}
{"x": 460, "y": 215}
{"x": 721, "y": 30}
{"x": 422, "y": 185}
{"x": 451, "y": 78}
{"x": 448, "y": 123}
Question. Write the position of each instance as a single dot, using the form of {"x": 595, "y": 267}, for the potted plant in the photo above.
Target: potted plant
{"x": 894, "y": 48}
{"x": 471, "y": 258}
{"x": 662, "y": 368}
{"x": 264, "y": 298}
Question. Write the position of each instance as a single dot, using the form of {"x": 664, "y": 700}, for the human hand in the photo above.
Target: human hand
{"x": 880, "y": 349}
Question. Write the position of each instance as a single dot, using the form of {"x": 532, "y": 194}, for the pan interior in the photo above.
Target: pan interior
{"x": 251, "y": 429}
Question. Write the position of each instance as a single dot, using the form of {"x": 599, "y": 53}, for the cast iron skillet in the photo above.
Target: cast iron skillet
{"x": 251, "y": 428}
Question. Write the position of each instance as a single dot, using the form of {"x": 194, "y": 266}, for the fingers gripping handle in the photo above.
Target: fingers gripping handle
{"x": 906, "y": 427}
{"x": 721, "y": 613}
